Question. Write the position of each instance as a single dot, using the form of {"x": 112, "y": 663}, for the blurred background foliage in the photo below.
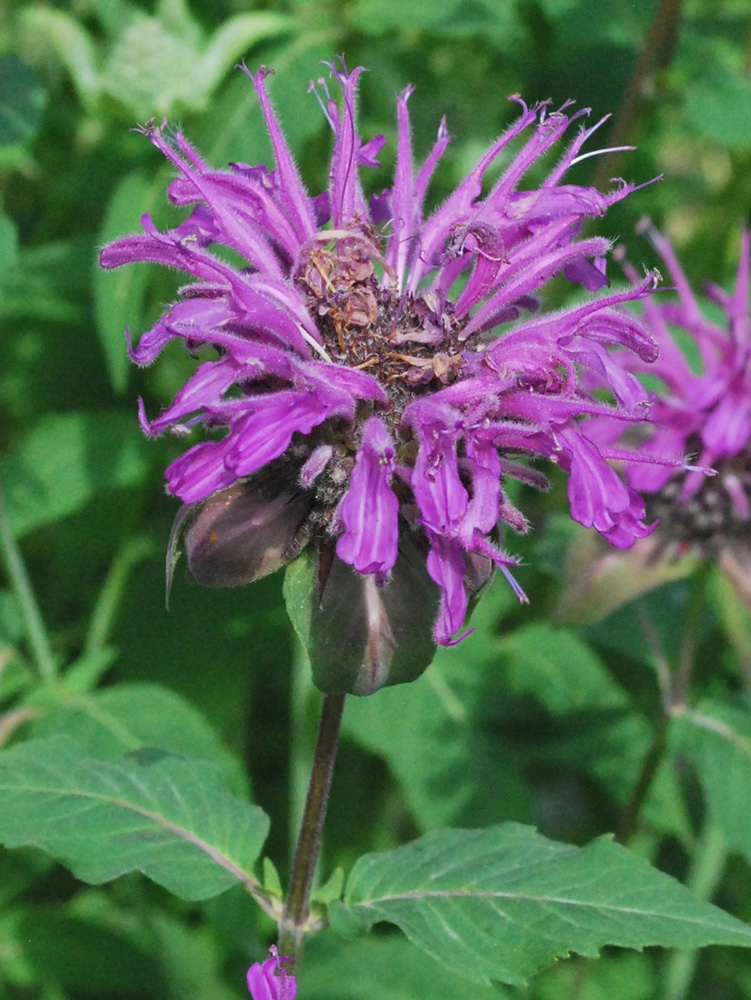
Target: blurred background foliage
{"x": 527, "y": 720}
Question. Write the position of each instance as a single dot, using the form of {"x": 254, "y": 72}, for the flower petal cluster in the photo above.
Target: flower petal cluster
{"x": 392, "y": 366}
{"x": 270, "y": 981}
{"x": 705, "y": 413}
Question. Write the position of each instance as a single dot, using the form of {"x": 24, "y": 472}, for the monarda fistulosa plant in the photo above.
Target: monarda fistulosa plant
{"x": 370, "y": 378}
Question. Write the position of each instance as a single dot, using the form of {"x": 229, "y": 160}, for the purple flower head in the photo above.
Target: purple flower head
{"x": 388, "y": 368}
{"x": 270, "y": 981}
{"x": 705, "y": 413}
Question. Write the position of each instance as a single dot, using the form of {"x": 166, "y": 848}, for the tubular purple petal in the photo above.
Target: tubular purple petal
{"x": 295, "y": 198}
{"x": 370, "y": 509}
{"x": 270, "y": 981}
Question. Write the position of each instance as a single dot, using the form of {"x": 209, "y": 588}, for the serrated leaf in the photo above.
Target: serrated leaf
{"x": 64, "y": 461}
{"x": 167, "y": 817}
{"x": 110, "y": 723}
{"x": 717, "y": 740}
{"x": 504, "y": 902}
{"x": 152, "y": 66}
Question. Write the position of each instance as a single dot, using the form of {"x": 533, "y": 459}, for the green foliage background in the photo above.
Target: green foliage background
{"x": 528, "y": 721}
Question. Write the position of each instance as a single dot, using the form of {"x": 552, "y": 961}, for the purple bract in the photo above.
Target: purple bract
{"x": 388, "y": 366}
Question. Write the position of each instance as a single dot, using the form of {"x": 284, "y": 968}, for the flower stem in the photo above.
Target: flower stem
{"x": 110, "y": 596}
{"x": 653, "y": 758}
{"x": 675, "y": 693}
{"x": 295, "y": 914}
{"x": 694, "y": 613}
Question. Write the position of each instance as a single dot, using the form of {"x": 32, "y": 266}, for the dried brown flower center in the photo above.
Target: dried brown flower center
{"x": 406, "y": 343}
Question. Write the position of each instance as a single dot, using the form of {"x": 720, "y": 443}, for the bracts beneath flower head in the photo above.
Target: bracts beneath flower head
{"x": 386, "y": 372}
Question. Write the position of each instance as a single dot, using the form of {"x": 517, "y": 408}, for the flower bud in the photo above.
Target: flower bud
{"x": 244, "y": 532}
{"x": 362, "y": 633}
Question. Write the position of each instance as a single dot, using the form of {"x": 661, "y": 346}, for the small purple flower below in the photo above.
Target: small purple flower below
{"x": 270, "y": 981}
{"x": 385, "y": 371}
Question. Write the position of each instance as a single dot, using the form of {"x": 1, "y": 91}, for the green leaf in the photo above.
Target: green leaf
{"x": 331, "y": 888}
{"x": 167, "y": 817}
{"x": 119, "y": 295}
{"x": 152, "y": 67}
{"x": 48, "y": 282}
{"x": 234, "y": 37}
{"x": 71, "y": 44}
{"x": 720, "y": 109}
{"x": 617, "y": 976}
{"x": 118, "y": 720}
{"x": 22, "y": 100}
{"x": 8, "y": 242}
{"x": 504, "y": 902}
{"x": 454, "y": 18}
{"x": 188, "y": 959}
{"x": 559, "y": 669}
{"x": 163, "y": 64}
{"x": 66, "y": 460}
{"x": 716, "y": 738}
{"x": 607, "y": 736}
{"x": 386, "y": 968}
{"x": 360, "y": 637}
{"x": 82, "y": 955}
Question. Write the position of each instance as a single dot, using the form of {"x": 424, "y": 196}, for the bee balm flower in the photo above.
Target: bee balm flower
{"x": 706, "y": 413}
{"x": 378, "y": 372}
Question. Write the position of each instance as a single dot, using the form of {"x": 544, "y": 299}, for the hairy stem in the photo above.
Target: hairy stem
{"x": 296, "y": 907}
